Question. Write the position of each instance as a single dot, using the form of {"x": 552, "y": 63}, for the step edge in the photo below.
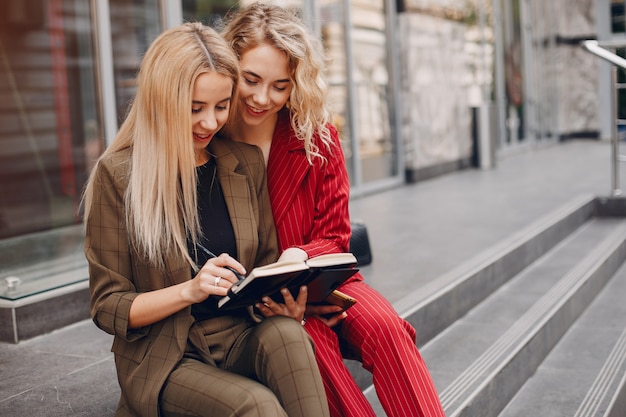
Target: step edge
{"x": 422, "y": 305}
{"x": 612, "y": 261}
{"x": 599, "y": 393}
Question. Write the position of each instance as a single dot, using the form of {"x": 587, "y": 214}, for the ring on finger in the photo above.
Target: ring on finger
{"x": 217, "y": 281}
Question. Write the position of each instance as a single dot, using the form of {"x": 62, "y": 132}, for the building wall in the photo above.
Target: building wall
{"x": 576, "y": 69}
{"x": 444, "y": 71}
{"x": 437, "y": 78}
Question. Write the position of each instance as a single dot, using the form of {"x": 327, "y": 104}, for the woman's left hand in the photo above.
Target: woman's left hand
{"x": 291, "y": 307}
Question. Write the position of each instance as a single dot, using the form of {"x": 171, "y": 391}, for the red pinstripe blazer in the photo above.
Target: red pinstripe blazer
{"x": 310, "y": 202}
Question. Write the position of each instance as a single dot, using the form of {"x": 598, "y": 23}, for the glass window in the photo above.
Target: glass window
{"x": 333, "y": 38}
{"x": 209, "y": 12}
{"x": 513, "y": 71}
{"x": 617, "y": 16}
{"x": 50, "y": 134}
{"x": 372, "y": 90}
{"x": 134, "y": 25}
{"x": 618, "y": 26}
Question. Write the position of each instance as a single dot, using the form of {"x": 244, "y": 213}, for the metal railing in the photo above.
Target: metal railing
{"x": 606, "y": 51}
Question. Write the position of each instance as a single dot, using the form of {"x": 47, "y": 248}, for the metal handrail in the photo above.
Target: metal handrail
{"x": 599, "y": 49}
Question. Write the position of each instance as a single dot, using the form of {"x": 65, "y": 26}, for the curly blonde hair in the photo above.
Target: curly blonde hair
{"x": 259, "y": 24}
{"x": 160, "y": 202}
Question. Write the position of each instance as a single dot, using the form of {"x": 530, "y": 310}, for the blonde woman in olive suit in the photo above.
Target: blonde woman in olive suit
{"x": 145, "y": 219}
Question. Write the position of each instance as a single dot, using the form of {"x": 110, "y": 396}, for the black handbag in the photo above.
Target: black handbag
{"x": 360, "y": 244}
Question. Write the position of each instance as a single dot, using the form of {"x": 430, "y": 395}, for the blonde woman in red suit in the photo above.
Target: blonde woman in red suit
{"x": 166, "y": 188}
{"x": 282, "y": 109}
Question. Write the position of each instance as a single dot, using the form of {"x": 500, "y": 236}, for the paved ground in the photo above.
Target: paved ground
{"x": 418, "y": 232}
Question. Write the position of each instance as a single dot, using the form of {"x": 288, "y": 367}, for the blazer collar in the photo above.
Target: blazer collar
{"x": 287, "y": 167}
{"x": 220, "y": 148}
{"x": 235, "y": 188}
{"x": 237, "y": 195}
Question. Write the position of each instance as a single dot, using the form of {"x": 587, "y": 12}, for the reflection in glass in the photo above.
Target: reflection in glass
{"x": 541, "y": 109}
{"x": 333, "y": 38}
{"x": 617, "y": 16}
{"x": 513, "y": 71}
{"x": 50, "y": 135}
{"x": 371, "y": 81}
{"x": 358, "y": 77}
{"x": 372, "y": 90}
{"x": 134, "y": 25}
{"x": 209, "y": 12}
{"x": 50, "y": 131}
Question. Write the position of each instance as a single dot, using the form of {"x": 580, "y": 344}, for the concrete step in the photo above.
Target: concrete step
{"x": 434, "y": 307}
{"x": 482, "y": 359}
{"x": 585, "y": 374}
{"x": 479, "y": 362}
{"x": 69, "y": 372}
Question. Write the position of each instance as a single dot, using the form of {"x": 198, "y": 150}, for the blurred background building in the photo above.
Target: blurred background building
{"x": 419, "y": 88}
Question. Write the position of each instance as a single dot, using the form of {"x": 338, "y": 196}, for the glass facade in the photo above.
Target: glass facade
{"x": 370, "y": 77}
{"x": 49, "y": 136}
{"x": 209, "y": 12}
{"x": 67, "y": 73}
{"x": 134, "y": 25}
{"x": 513, "y": 72}
{"x": 56, "y": 80}
{"x": 617, "y": 16}
{"x": 50, "y": 130}
{"x": 528, "y": 69}
{"x": 618, "y": 29}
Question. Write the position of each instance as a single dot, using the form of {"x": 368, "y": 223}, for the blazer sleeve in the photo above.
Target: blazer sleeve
{"x": 108, "y": 253}
{"x": 331, "y": 218}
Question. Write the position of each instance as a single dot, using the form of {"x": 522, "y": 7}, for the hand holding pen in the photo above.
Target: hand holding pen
{"x": 216, "y": 277}
{"x": 210, "y": 254}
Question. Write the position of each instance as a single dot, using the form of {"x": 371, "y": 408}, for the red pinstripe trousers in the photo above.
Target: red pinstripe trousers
{"x": 374, "y": 334}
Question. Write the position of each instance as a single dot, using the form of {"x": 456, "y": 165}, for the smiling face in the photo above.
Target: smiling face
{"x": 210, "y": 106}
{"x": 264, "y": 86}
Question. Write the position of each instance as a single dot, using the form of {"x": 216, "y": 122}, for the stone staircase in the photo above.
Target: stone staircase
{"x": 534, "y": 326}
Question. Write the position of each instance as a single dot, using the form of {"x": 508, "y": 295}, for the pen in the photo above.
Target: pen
{"x": 212, "y": 255}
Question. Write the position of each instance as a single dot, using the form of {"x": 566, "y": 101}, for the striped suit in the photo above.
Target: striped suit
{"x": 310, "y": 205}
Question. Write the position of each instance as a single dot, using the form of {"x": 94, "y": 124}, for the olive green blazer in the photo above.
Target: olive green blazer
{"x": 117, "y": 274}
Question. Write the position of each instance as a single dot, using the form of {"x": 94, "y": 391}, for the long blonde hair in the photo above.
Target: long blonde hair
{"x": 161, "y": 203}
{"x": 257, "y": 24}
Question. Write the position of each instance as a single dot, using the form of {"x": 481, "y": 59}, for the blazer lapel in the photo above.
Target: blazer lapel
{"x": 286, "y": 169}
{"x": 237, "y": 196}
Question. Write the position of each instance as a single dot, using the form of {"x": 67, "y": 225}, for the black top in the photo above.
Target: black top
{"x": 217, "y": 230}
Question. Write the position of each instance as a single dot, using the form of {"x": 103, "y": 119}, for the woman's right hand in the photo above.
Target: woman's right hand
{"x": 149, "y": 307}
{"x": 214, "y": 278}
